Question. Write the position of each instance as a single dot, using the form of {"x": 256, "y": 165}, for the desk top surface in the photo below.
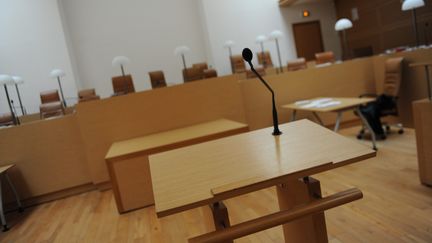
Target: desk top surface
{"x": 209, "y": 172}
{"x": 5, "y": 168}
{"x": 145, "y": 143}
{"x": 419, "y": 64}
{"x": 328, "y": 104}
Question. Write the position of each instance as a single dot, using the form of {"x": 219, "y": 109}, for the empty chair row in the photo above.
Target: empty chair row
{"x": 264, "y": 60}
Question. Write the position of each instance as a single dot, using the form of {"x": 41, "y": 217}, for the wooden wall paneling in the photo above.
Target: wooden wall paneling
{"x": 49, "y": 156}
{"x": 106, "y": 121}
{"x": 348, "y": 79}
{"x": 382, "y": 22}
{"x": 414, "y": 85}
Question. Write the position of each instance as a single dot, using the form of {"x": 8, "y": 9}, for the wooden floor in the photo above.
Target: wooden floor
{"x": 395, "y": 208}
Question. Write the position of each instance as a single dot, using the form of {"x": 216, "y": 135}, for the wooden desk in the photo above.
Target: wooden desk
{"x": 426, "y": 65}
{"x": 422, "y": 110}
{"x": 341, "y": 105}
{"x": 4, "y": 174}
{"x": 127, "y": 161}
{"x": 207, "y": 173}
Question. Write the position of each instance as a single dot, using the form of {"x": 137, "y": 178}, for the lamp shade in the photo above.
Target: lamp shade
{"x": 343, "y": 24}
{"x": 261, "y": 38}
{"x": 412, "y": 4}
{"x": 120, "y": 61}
{"x": 179, "y": 50}
{"x": 6, "y": 79}
{"x": 18, "y": 80}
{"x": 57, "y": 73}
{"x": 276, "y": 34}
{"x": 229, "y": 43}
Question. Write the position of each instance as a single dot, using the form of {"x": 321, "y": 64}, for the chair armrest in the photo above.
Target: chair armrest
{"x": 368, "y": 95}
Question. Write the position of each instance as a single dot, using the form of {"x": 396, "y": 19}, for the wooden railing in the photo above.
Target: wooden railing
{"x": 280, "y": 218}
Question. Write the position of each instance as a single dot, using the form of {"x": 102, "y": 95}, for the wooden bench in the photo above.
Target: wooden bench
{"x": 128, "y": 164}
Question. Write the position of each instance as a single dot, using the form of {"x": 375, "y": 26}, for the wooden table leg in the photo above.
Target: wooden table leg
{"x": 311, "y": 229}
{"x": 220, "y": 217}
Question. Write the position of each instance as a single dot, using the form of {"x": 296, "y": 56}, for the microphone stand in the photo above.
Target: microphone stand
{"x": 276, "y": 131}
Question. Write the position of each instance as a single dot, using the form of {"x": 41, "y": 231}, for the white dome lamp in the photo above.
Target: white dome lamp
{"x": 413, "y": 5}
{"x": 260, "y": 40}
{"x": 57, "y": 74}
{"x": 18, "y": 81}
{"x": 276, "y": 35}
{"x": 342, "y": 25}
{"x": 6, "y": 80}
{"x": 181, "y": 51}
{"x": 229, "y": 44}
{"x": 120, "y": 61}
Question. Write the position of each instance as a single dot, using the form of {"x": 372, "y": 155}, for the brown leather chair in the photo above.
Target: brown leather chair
{"x": 50, "y": 96}
{"x": 265, "y": 57}
{"x": 87, "y": 95}
{"x": 238, "y": 64}
{"x": 157, "y": 79}
{"x": 191, "y": 74}
{"x": 123, "y": 85}
{"x": 325, "y": 57}
{"x": 391, "y": 88}
{"x": 51, "y": 104}
{"x": 210, "y": 73}
{"x": 250, "y": 74}
{"x": 200, "y": 66}
{"x": 297, "y": 64}
{"x": 6, "y": 119}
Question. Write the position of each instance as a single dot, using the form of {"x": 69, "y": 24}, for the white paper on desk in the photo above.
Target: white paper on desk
{"x": 322, "y": 103}
{"x": 316, "y": 103}
{"x": 329, "y": 104}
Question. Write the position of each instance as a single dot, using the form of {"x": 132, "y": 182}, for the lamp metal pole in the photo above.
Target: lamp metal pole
{"x": 20, "y": 101}
{"x": 61, "y": 91}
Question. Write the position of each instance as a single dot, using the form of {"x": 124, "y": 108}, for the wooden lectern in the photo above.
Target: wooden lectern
{"x": 208, "y": 173}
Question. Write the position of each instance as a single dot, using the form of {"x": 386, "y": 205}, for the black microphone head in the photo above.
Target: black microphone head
{"x": 247, "y": 55}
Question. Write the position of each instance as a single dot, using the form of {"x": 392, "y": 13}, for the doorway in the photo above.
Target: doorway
{"x": 308, "y": 39}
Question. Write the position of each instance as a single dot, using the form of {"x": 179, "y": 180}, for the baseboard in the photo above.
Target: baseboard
{"x": 30, "y": 202}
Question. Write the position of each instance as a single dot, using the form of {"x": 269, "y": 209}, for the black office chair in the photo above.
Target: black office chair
{"x": 386, "y": 104}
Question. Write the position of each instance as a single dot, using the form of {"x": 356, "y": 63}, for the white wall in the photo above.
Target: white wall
{"x": 243, "y": 20}
{"x": 32, "y": 43}
{"x": 145, "y": 31}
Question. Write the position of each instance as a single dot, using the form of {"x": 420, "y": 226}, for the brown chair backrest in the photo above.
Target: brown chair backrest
{"x": 238, "y": 64}
{"x": 210, "y": 73}
{"x": 200, "y": 66}
{"x": 192, "y": 74}
{"x": 87, "y": 95}
{"x": 297, "y": 64}
{"x": 393, "y": 76}
{"x": 6, "y": 119}
{"x": 123, "y": 84}
{"x": 265, "y": 56}
{"x": 325, "y": 57}
{"x": 49, "y": 96}
{"x": 157, "y": 79}
{"x": 250, "y": 74}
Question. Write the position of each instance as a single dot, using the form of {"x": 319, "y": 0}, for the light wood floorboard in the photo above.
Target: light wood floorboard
{"x": 395, "y": 208}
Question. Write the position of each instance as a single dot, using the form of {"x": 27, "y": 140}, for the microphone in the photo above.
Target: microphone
{"x": 248, "y": 56}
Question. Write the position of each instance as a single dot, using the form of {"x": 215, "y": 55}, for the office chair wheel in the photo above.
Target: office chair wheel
{"x": 401, "y": 131}
{"x": 5, "y": 228}
{"x": 387, "y": 127}
{"x": 360, "y": 136}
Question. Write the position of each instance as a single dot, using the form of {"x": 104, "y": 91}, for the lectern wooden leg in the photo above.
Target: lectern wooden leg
{"x": 311, "y": 229}
{"x": 220, "y": 217}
